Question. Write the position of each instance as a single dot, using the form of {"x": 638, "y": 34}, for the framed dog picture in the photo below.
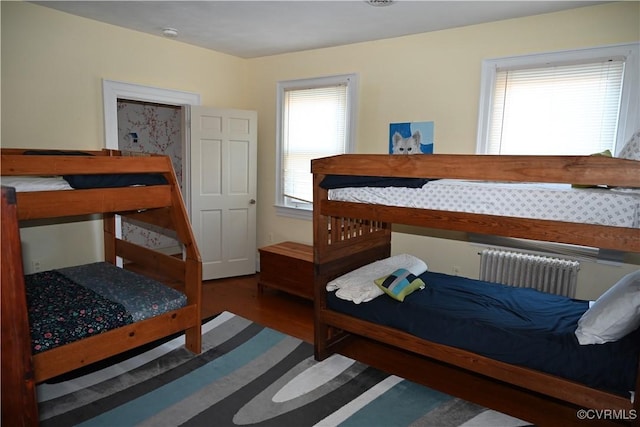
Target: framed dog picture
{"x": 411, "y": 138}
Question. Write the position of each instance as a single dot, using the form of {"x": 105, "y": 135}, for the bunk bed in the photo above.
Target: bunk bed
{"x": 106, "y": 184}
{"x": 352, "y": 234}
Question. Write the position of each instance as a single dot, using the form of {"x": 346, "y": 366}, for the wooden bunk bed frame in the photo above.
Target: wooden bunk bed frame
{"x": 159, "y": 205}
{"x": 349, "y": 235}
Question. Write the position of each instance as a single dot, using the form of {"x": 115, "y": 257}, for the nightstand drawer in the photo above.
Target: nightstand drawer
{"x": 287, "y": 266}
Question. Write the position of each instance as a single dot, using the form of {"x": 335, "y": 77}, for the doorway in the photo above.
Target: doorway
{"x": 218, "y": 158}
{"x": 114, "y": 90}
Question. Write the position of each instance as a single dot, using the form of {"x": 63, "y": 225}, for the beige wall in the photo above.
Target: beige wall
{"x": 53, "y": 63}
{"x": 431, "y": 76}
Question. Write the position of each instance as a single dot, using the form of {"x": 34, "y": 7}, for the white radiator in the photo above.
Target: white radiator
{"x": 547, "y": 274}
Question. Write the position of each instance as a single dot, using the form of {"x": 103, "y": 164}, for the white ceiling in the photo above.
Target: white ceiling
{"x": 250, "y": 29}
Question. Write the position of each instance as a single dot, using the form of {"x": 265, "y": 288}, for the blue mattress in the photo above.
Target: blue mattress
{"x": 141, "y": 296}
{"x": 520, "y": 326}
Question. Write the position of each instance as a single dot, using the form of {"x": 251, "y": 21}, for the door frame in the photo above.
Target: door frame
{"x": 112, "y": 90}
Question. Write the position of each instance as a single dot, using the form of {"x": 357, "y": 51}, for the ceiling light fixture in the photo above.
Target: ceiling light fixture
{"x": 170, "y": 32}
{"x": 380, "y": 3}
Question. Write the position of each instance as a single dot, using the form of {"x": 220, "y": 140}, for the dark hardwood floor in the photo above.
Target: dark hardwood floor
{"x": 271, "y": 308}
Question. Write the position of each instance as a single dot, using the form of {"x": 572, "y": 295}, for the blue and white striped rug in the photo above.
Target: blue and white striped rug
{"x": 249, "y": 375}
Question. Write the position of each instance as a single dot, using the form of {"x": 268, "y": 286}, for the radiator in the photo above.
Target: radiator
{"x": 547, "y": 274}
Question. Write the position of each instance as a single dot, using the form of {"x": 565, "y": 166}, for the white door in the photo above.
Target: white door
{"x": 223, "y": 159}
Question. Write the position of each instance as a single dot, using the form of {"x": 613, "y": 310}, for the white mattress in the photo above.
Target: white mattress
{"x": 559, "y": 202}
{"x": 36, "y": 183}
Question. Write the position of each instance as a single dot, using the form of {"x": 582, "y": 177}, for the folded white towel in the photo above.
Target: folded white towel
{"x": 358, "y": 285}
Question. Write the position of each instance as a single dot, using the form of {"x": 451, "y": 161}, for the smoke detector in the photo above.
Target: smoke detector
{"x": 170, "y": 32}
{"x": 380, "y": 3}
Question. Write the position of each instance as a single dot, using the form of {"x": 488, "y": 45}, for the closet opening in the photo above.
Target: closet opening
{"x": 150, "y": 127}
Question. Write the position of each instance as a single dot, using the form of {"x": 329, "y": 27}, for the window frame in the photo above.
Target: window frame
{"x": 351, "y": 82}
{"x": 628, "y": 119}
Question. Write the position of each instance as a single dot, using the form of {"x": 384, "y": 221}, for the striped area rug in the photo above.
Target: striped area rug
{"x": 249, "y": 375}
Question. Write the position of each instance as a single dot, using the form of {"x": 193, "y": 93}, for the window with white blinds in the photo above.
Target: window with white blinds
{"x": 315, "y": 117}
{"x": 557, "y": 104}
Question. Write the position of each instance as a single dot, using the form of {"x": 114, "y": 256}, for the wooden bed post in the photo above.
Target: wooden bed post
{"x": 319, "y": 281}
{"x": 334, "y": 254}
{"x": 19, "y": 405}
{"x": 193, "y": 274}
{"x": 109, "y": 227}
{"x": 191, "y": 255}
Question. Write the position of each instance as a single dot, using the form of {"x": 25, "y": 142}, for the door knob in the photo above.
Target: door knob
{"x": 252, "y": 201}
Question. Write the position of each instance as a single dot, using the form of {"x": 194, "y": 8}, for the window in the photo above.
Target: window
{"x": 315, "y": 118}
{"x": 565, "y": 103}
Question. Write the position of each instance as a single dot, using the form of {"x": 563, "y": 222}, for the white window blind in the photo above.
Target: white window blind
{"x": 314, "y": 125}
{"x": 562, "y": 109}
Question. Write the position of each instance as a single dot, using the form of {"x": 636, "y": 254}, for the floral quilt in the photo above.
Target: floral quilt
{"x": 62, "y": 311}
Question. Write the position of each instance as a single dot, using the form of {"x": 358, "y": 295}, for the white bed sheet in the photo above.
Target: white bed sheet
{"x": 559, "y": 202}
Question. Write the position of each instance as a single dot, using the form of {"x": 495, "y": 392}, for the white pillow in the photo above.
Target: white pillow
{"x": 358, "y": 285}
{"x": 631, "y": 149}
{"x": 614, "y": 314}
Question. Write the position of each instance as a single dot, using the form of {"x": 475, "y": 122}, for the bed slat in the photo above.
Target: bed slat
{"x": 617, "y": 238}
{"x": 59, "y": 360}
{"x": 160, "y": 217}
{"x": 583, "y": 170}
{"x": 88, "y": 165}
{"x": 165, "y": 265}
{"x": 52, "y": 204}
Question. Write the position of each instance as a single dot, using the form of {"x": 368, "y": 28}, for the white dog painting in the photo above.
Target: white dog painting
{"x": 411, "y": 138}
{"x": 410, "y": 145}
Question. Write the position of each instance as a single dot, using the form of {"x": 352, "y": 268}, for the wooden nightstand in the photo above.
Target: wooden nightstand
{"x": 287, "y": 266}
